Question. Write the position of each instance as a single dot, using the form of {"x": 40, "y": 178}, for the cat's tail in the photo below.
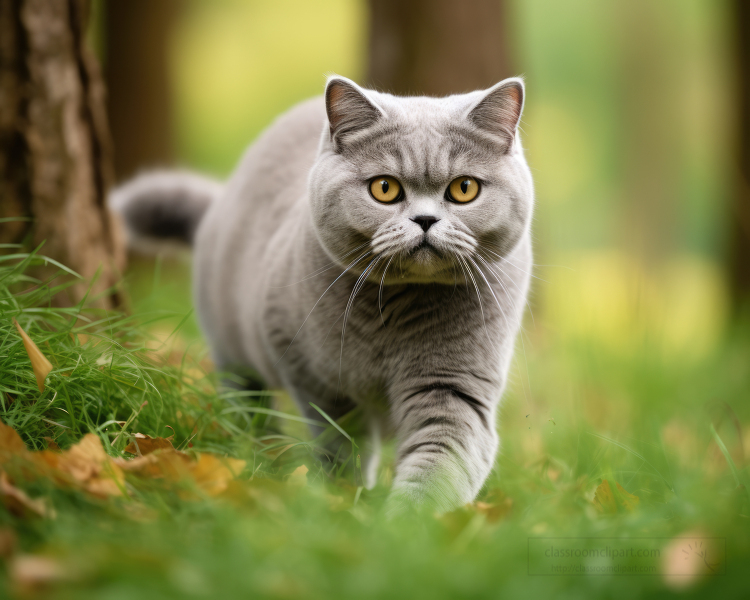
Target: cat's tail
{"x": 163, "y": 207}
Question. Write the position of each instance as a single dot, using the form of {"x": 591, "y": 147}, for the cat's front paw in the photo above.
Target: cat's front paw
{"x": 424, "y": 494}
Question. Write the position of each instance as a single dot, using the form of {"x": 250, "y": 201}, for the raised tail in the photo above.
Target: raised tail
{"x": 161, "y": 207}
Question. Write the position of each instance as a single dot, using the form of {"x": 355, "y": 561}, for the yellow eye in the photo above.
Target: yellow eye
{"x": 463, "y": 189}
{"x": 385, "y": 189}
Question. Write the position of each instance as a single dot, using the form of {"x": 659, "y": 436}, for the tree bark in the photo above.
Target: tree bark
{"x": 136, "y": 67}
{"x": 739, "y": 249}
{"x": 437, "y": 47}
{"x": 55, "y": 150}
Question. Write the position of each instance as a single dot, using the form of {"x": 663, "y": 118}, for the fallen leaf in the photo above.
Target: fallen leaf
{"x": 18, "y": 502}
{"x": 30, "y": 573}
{"x": 10, "y": 442}
{"x": 298, "y": 476}
{"x": 170, "y": 465}
{"x": 39, "y": 362}
{"x": 88, "y": 467}
{"x": 85, "y": 465}
{"x": 52, "y": 444}
{"x": 8, "y": 542}
{"x": 209, "y": 473}
{"x": 607, "y": 502}
{"x": 212, "y": 474}
{"x": 496, "y": 510}
{"x": 144, "y": 444}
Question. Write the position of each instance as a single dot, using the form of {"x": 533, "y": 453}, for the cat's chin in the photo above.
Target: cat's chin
{"x": 426, "y": 265}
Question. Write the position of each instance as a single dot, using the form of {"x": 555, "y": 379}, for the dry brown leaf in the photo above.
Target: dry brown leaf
{"x": 605, "y": 500}
{"x": 52, "y": 444}
{"x": 88, "y": 467}
{"x": 496, "y": 510}
{"x": 29, "y": 573}
{"x": 8, "y": 542}
{"x": 164, "y": 464}
{"x": 10, "y": 442}
{"x": 39, "y": 362}
{"x": 144, "y": 444}
{"x": 212, "y": 474}
{"x": 85, "y": 465}
{"x": 17, "y": 502}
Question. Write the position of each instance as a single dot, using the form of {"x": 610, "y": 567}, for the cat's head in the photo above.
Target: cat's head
{"x": 422, "y": 183}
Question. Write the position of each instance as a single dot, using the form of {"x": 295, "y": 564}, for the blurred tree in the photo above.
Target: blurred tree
{"x": 740, "y": 216}
{"x": 437, "y": 47}
{"x": 136, "y": 67}
{"x": 55, "y": 156}
{"x": 651, "y": 129}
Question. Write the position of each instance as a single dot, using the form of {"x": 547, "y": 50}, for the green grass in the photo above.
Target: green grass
{"x": 577, "y": 412}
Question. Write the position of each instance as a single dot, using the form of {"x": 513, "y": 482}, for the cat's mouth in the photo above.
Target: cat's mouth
{"x": 423, "y": 247}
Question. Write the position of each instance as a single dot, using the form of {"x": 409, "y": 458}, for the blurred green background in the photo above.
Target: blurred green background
{"x": 629, "y": 128}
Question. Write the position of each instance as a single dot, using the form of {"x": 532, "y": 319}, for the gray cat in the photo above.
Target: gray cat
{"x": 369, "y": 251}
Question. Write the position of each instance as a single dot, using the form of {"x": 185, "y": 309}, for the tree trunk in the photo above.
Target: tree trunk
{"x": 136, "y": 67}
{"x": 651, "y": 131}
{"x": 55, "y": 151}
{"x": 437, "y": 47}
{"x": 739, "y": 257}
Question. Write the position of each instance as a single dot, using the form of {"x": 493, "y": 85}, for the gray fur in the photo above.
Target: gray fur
{"x": 163, "y": 205}
{"x": 302, "y": 275}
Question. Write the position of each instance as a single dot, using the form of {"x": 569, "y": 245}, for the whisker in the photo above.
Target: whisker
{"x": 515, "y": 310}
{"x": 380, "y": 290}
{"x": 479, "y": 296}
{"x": 492, "y": 267}
{"x": 355, "y": 290}
{"x": 318, "y": 301}
{"x": 320, "y": 270}
{"x": 502, "y": 312}
{"x": 508, "y": 260}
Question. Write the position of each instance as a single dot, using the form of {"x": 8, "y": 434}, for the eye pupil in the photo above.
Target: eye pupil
{"x": 384, "y": 186}
{"x": 464, "y": 186}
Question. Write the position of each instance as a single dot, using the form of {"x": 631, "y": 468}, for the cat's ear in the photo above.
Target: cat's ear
{"x": 349, "y": 109}
{"x": 499, "y": 110}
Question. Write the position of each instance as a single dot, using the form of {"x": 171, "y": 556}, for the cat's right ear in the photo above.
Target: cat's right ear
{"x": 349, "y": 109}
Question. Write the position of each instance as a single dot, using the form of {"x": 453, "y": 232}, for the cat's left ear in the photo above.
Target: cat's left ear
{"x": 499, "y": 110}
{"x": 349, "y": 109}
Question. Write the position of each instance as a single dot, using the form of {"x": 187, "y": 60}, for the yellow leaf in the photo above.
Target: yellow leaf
{"x": 10, "y": 442}
{"x": 17, "y": 502}
{"x": 209, "y": 473}
{"x": 39, "y": 362}
{"x": 144, "y": 444}
{"x": 606, "y": 501}
{"x": 212, "y": 474}
{"x": 30, "y": 574}
{"x": 298, "y": 476}
{"x": 494, "y": 511}
{"x": 85, "y": 465}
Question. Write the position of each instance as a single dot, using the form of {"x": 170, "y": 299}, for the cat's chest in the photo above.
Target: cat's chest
{"x": 360, "y": 340}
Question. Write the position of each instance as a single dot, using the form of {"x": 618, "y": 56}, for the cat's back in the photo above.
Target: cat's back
{"x": 265, "y": 195}
{"x": 269, "y": 181}
{"x": 272, "y": 175}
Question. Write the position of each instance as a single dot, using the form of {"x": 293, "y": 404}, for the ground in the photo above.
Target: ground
{"x": 629, "y": 440}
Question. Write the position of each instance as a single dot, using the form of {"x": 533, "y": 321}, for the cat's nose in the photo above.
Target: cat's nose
{"x": 425, "y": 222}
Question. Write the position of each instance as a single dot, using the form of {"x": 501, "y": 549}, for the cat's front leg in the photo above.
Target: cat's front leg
{"x": 446, "y": 448}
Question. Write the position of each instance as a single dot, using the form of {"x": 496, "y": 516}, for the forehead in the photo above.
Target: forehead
{"x": 424, "y": 141}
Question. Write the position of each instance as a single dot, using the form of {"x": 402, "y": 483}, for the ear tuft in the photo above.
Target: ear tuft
{"x": 349, "y": 109}
{"x": 499, "y": 111}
